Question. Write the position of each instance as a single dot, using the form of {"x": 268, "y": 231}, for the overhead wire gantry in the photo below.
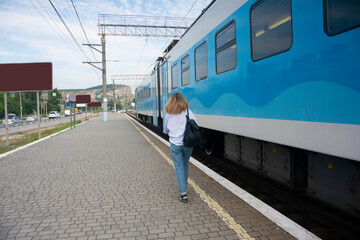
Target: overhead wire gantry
{"x": 128, "y": 80}
{"x": 138, "y": 26}
{"x": 142, "y": 26}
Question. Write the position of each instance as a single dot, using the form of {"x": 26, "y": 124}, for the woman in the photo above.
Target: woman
{"x": 175, "y": 122}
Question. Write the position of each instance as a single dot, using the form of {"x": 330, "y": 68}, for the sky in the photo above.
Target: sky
{"x": 32, "y": 31}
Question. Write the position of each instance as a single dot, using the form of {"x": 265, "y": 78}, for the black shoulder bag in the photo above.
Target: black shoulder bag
{"x": 192, "y": 132}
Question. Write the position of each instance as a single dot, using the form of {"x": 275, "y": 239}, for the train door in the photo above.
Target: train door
{"x": 154, "y": 98}
{"x": 158, "y": 98}
{"x": 164, "y": 84}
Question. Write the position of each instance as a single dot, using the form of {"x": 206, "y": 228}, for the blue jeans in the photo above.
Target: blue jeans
{"x": 181, "y": 156}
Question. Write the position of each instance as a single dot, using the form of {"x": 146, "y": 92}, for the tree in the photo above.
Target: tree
{"x": 53, "y": 101}
{"x": 111, "y": 104}
{"x": 13, "y": 103}
{"x": 2, "y": 106}
{"x": 29, "y": 103}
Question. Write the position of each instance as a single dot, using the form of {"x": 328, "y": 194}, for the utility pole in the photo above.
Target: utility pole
{"x": 103, "y": 70}
{"x": 126, "y": 101}
{"x": 103, "y": 41}
{"x": 114, "y": 96}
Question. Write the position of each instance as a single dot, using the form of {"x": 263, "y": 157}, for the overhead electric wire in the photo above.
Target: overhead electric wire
{"x": 69, "y": 19}
{"x": 71, "y": 34}
{"x": 78, "y": 17}
{"x": 67, "y": 28}
{"x": 83, "y": 28}
{"x": 62, "y": 38}
{"x": 177, "y": 26}
{"x": 146, "y": 39}
{"x": 66, "y": 15}
{"x": 188, "y": 12}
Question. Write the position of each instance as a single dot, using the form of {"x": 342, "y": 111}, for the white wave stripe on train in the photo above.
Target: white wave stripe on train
{"x": 225, "y": 216}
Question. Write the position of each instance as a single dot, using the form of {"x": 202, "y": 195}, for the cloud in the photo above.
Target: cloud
{"x": 6, "y": 53}
{"x": 27, "y": 37}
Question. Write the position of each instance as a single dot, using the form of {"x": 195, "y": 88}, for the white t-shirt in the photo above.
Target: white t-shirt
{"x": 175, "y": 126}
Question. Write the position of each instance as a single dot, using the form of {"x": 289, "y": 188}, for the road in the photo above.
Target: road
{"x": 45, "y": 122}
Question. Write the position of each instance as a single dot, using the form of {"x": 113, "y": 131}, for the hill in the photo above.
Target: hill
{"x": 98, "y": 87}
{"x": 123, "y": 93}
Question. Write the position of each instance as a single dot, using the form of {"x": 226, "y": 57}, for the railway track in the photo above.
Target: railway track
{"x": 319, "y": 218}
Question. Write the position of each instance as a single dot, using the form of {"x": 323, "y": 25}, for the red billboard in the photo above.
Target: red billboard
{"x": 94, "y": 104}
{"x": 83, "y": 99}
{"x": 25, "y": 77}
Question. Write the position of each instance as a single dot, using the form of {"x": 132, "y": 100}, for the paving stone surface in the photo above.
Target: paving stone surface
{"x": 103, "y": 180}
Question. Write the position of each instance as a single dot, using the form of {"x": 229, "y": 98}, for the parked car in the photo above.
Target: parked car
{"x": 54, "y": 114}
{"x": 12, "y": 119}
{"x": 67, "y": 113}
{"x": 31, "y": 118}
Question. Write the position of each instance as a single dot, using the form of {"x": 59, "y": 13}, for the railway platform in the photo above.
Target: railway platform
{"x": 115, "y": 180}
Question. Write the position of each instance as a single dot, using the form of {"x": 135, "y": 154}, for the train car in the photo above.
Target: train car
{"x": 275, "y": 85}
{"x": 144, "y": 100}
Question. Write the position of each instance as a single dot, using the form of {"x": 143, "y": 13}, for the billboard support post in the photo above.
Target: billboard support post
{"x": 74, "y": 115}
{"x": 70, "y": 116}
{"x": 38, "y": 113}
{"x": 6, "y": 119}
{"x": 20, "y": 106}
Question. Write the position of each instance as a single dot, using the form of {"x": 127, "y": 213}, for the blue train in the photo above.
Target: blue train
{"x": 275, "y": 86}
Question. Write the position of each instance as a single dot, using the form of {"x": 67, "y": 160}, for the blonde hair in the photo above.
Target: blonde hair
{"x": 176, "y": 104}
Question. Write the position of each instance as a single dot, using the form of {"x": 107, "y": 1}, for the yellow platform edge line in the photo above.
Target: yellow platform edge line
{"x": 225, "y": 216}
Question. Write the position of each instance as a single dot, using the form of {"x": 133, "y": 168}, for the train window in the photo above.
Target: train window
{"x": 226, "y": 48}
{"x": 185, "y": 71}
{"x": 271, "y": 28}
{"x": 341, "y": 16}
{"x": 174, "y": 76}
{"x": 201, "y": 65}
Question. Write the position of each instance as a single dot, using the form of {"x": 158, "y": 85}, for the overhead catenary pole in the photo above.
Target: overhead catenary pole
{"x": 103, "y": 41}
{"x": 103, "y": 70}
